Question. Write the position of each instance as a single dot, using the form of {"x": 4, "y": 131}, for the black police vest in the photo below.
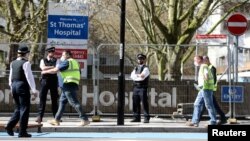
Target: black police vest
{"x": 143, "y": 83}
{"x": 51, "y": 62}
{"x": 17, "y": 71}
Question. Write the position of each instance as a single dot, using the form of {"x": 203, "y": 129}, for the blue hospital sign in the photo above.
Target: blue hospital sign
{"x": 236, "y": 97}
{"x": 67, "y": 27}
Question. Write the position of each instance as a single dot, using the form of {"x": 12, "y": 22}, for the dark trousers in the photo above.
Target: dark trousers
{"x": 140, "y": 95}
{"x": 21, "y": 95}
{"x": 46, "y": 85}
{"x": 217, "y": 109}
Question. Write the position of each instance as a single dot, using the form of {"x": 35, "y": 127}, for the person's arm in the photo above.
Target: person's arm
{"x": 54, "y": 70}
{"x": 29, "y": 76}
{"x": 140, "y": 77}
{"x": 213, "y": 70}
{"x": 43, "y": 67}
{"x": 10, "y": 75}
{"x": 57, "y": 62}
{"x": 61, "y": 67}
{"x": 205, "y": 73}
{"x": 145, "y": 73}
{"x": 133, "y": 76}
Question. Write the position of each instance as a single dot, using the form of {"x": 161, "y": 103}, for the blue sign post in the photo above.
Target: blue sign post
{"x": 237, "y": 94}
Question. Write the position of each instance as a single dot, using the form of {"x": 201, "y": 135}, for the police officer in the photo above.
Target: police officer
{"x": 48, "y": 82}
{"x": 70, "y": 73}
{"x": 140, "y": 77}
{"x": 21, "y": 80}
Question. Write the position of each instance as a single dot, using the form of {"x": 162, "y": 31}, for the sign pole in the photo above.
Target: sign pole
{"x": 236, "y": 58}
{"x": 236, "y": 25}
{"x": 232, "y": 93}
{"x": 121, "y": 79}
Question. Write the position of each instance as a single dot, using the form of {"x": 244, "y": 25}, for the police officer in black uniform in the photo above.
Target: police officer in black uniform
{"x": 21, "y": 80}
{"x": 140, "y": 76}
{"x": 48, "y": 82}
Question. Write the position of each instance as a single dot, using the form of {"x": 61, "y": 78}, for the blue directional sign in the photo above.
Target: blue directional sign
{"x": 237, "y": 97}
{"x": 67, "y": 27}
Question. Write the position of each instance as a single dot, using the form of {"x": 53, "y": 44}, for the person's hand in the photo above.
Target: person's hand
{"x": 35, "y": 93}
{"x": 42, "y": 72}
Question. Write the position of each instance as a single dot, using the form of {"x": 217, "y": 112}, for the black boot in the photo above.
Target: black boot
{"x": 135, "y": 120}
{"x": 9, "y": 131}
{"x": 24, "y": 135}
{"x": 146, "y": 120}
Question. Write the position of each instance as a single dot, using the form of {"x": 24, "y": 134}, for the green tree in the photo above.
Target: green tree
{"x": 165, "y": 25}
{"x": 175, "y": 22}
{"x": 25, "y": 23}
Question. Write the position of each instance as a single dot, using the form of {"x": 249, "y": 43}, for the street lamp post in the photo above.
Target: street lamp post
{"x": 121, "y": 79}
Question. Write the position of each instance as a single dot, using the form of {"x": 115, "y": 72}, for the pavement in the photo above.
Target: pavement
{"x": 62, "y": 136}
{"x": 109, "y": 124}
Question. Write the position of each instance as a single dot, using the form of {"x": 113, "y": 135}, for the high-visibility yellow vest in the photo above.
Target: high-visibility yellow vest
{"x": 72, "y": 74}
{"x": 207, "y": 84}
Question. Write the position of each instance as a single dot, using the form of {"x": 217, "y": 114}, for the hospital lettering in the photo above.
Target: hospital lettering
{"x": 108, "y": 98}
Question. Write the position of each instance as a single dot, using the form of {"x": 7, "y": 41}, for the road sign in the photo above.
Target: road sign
{"x": 237, "y": 24}
{"x": 211, "y": 39}
{"x": 238, "y": 94}
{"x": 67, "y": 27}
{"x": 68, "y": 30}
{"x": 211, "y": 36}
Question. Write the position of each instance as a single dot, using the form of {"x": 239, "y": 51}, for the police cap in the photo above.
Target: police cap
{"x": 50, "y": 49}
{"x": 22, "y": 49}
{"x": 141, "y": 56}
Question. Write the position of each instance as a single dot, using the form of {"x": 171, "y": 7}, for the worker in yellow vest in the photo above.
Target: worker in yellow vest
{"x": 223, "y": 118}
{"x": 70, "y": 73}
{"x": 205, "y": 95}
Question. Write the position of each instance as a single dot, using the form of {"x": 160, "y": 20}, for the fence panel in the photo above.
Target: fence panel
{"x": 102, "y": 74}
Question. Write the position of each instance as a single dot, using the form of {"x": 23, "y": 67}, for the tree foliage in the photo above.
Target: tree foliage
{"x": 164, "y": 25}
{"x": 25, "y": 23}
{"x": 174, "y": 23}
{"x": 167, "y": 25}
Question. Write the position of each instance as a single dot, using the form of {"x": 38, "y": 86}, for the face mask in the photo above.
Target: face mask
{"x": 196, "y": 64}
{"x": 62, "y": 59}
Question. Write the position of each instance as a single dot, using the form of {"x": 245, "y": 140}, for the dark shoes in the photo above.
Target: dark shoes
{"x": 135, "y": 120}
{"x": 9, "y": 131}
{"x": 25, "y": 135}
{"x": 222, "y": 121}
{"x": 146, "y": 120}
